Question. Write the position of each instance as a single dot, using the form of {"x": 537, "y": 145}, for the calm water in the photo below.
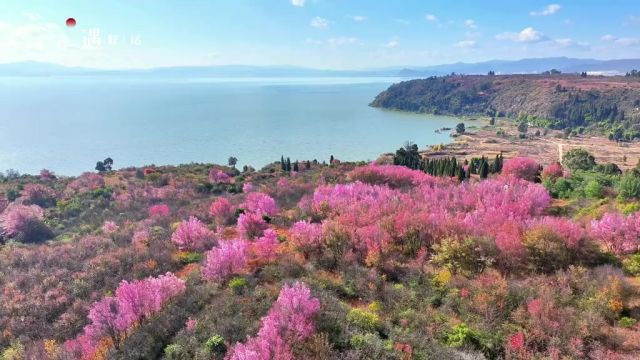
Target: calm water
{"x": 67, "y": 124}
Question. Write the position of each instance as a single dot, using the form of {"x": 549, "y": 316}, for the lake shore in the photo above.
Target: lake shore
{"x": 546, "y": 148}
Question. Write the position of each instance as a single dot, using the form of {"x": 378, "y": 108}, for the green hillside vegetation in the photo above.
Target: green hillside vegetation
{"x": 601, "y": 104}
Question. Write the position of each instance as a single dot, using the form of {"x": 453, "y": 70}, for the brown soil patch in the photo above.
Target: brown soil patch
{"x": 545, "y": 149}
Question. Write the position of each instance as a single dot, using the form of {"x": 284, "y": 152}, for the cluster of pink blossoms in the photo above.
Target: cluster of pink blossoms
{"x": 18, "y": 219}
{"x": 260, "y": 203}
{"x": 232, "y": 257}
{"x": 222, "y": 211}
{"x": 159, "y": 210}
{"x": 521, "y": 167}
{"x": 620, "y": 234}
{"x": 109, "y": 227}
{"x": 193, "y": 235}
{"x": 392, "y": 176}
{"x": 217, "y": 176}
{"x": 375, "y": 216}
{"x": 113, "y": 315}
{"x": 290, "y": 320}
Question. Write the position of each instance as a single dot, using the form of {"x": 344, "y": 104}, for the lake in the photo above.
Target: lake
{"x": 67, "y": 124}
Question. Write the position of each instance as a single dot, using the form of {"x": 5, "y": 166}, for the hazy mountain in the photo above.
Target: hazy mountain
{"x": 523, "y": 66}
{"x": 526, "y": 66}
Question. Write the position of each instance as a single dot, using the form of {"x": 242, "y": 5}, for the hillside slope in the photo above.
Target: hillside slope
{"x": 558, "y": 101}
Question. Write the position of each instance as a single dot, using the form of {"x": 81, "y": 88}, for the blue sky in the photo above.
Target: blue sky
{"x": 335, "y": 34}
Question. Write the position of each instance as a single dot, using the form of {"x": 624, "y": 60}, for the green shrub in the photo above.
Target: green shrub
{"x": 173, "y": 351}
{"x": 632, "y": 264}
{"x": 364, "y": 319}
{"x": 465, "y": 257}
{"x": 12, "y": 194}
{"x": 215, "y": 344}
{"x": 189, "y": 257}
{"x": 629, "y": 186}
{"x": 627, "y": 322}
{"x": 593, "y": 189}
{"x": 578, "y": 159}
{"x": 238, "y": 284}
{"x": 460, "y": 335}
{"x": 359, "y": 341}
{"x": 546, "y": 249}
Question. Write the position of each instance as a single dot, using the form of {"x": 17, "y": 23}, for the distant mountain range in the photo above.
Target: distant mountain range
{"x": 524, "y": 66}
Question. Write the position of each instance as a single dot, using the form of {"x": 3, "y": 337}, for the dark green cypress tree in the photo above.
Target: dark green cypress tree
{"x": 283, "y": 166}
{"x": 296, "y": 167}
{"x": 484, "y": 170}
{"x": 461, "y": 174}
{"x": 307, "y": 164}
{"x": 331, "y": 160}
{"x": 288, "y": 164}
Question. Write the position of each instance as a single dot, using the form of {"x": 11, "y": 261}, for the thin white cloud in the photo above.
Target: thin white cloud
{"x": 343, "y": 40}
{"x": 527, "y": 35}
{"x": 431, "y": 17}
{"x": 627, "y": 41}
{"x": 319, "y": 23}
{"x": 570, "y": 43}
{"x": 623, "y": 41}
{"x": 548, "y": 10}
{"x": 313, "y": 41}
{"x": 298, "y": 3}
{"x": 472, "y": 34}
{"x": 465, "y": 44}
{"x": 32, "y": 16}
{"x": 608, "y": 37}
{"x": 359, "y": 18}
{"x": 393, "y": 44}
{"x": 402, "y": 21}
{"x": 470, "y": 24}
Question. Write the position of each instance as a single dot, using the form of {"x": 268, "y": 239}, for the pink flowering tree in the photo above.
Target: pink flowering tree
{"x": 553, "y": 171}
{"x": 222, "y": 211}
{"x": 251, "y": 225}
{"x": 217, "y": 176}
{"x": 46, "y": 175}
{"x": 110, "y": 227}
{"x": 521, "y": 167}
{"x": 84, "y": 183}
{"x": 141, "y": 238}
{"x": 24, "y": 223}
{"x": 572, "y": 233}
{"x": 265, "y": 248}
{"x": 112, "y": 316}
{"x": 193, "y": 235}
{"x": 159, "y": 210}
{"x": 37, "y": 194}
{"x": 306, "y": 236}
{"x": 228, "y": 258}
{"x": 247, "y": 187}
{"x": 395, "y": 176}
{"x": 260, "y": 203}
{"x": 289, "y": 321}
{"x": 619, "y": 234}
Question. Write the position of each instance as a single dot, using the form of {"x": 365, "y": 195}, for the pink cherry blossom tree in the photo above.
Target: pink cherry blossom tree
{"x": 193, "y": 235}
